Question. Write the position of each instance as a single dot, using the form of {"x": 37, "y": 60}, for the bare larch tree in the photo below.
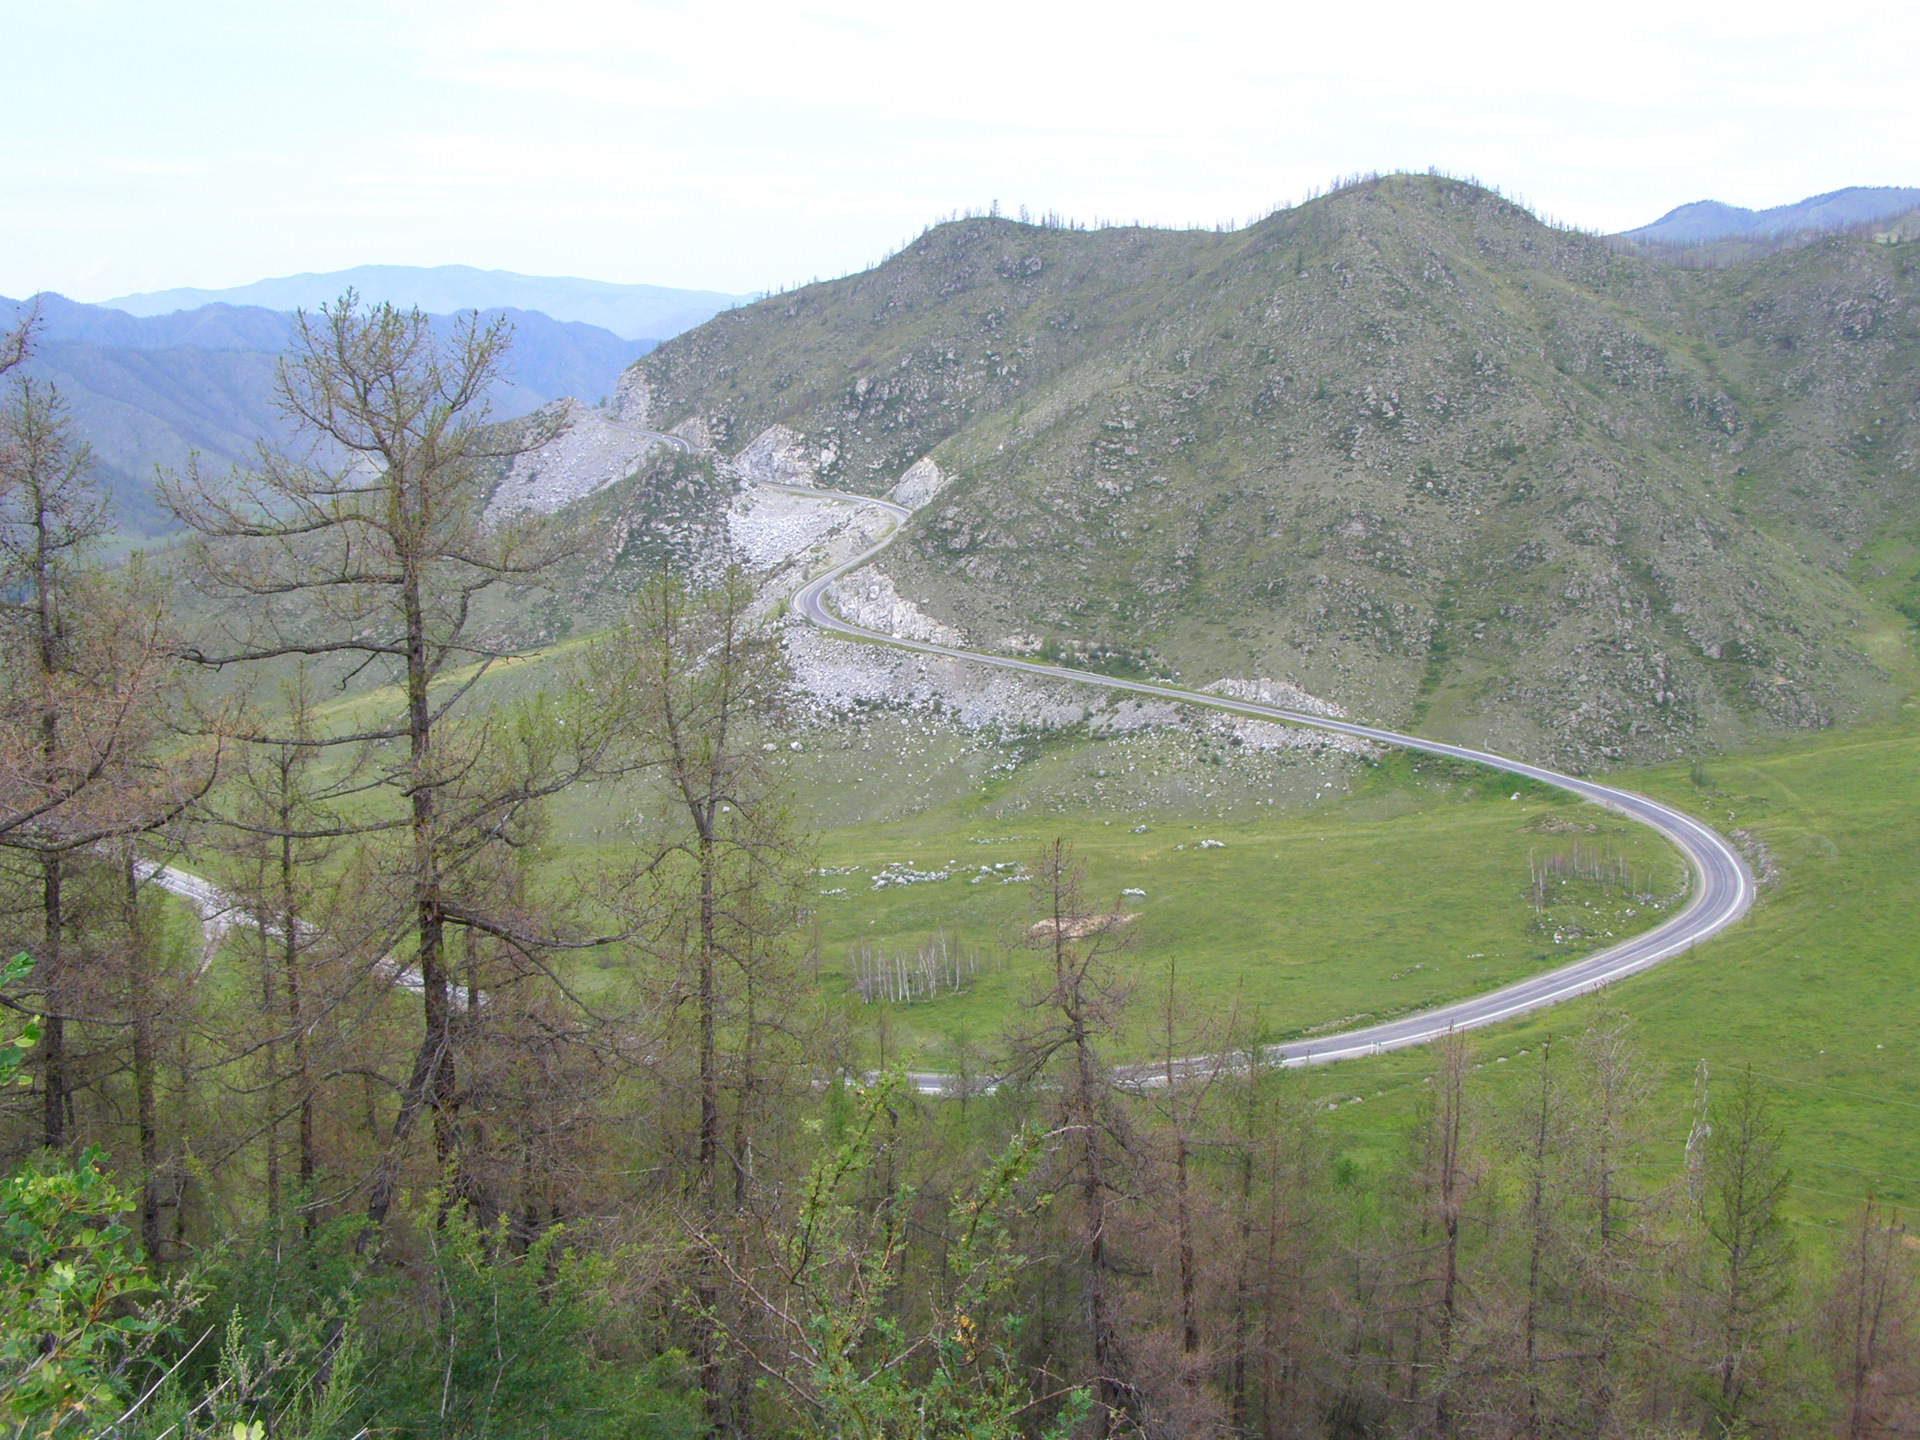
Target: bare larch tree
{"x": 369, "y": 555}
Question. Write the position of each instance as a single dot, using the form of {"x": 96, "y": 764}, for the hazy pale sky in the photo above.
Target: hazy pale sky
{"x": 743, "y": 146}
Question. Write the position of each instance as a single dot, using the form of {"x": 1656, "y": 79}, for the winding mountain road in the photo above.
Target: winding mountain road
{"x": 1722, "y": 891}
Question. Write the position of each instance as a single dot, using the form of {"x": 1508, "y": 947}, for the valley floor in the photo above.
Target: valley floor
{"x": 1817, "y": 990}
{"x": 1336, "y": 889}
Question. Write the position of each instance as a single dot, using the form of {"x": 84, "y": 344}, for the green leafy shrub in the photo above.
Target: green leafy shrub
{"x": 505, "y": 1348}
{"x": 71, "y": 1316}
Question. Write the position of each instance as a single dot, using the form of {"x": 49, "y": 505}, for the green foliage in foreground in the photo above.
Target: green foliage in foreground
{"x": 88, "y": 1342}
{"x": 69, "y": 1290}
{"x": 296, "y": 1337}
{"x": 862, "y": 1371}
{"x": 67, "y": 1277}
{"x": 1481, "y": 1230}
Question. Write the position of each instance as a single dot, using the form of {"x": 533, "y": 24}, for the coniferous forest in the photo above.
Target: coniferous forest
{"x": 415, "y": 1126}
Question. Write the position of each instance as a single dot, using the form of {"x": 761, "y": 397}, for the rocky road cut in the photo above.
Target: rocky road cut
{"x": 1722, "y": 891}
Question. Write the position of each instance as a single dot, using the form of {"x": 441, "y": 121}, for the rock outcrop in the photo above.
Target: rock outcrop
{"x": 1283, "y": 693}
{"x": 776, "y": 456}
{"x": 768, "y": 529}
{"x": 867, "y": 598}
{"x": 590, "y": 452}
{"x": 632, "y": 400}
{"x": 922, "y": 481}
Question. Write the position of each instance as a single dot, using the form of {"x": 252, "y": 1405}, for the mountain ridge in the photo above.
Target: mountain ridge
{"x": 1703, "y": 221}
{"x": 633, "y": 312}
{"x": 150, "y": 391}
{"x": 1404, "y": 445}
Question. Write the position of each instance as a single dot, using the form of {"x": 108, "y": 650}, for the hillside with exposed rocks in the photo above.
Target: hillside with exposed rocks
{"x": 1404, "y": 446}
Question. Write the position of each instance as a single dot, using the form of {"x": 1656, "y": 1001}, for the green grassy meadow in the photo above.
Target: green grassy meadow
{"x": 1398, "y": 896}
{"x": 1343, "y": 891}
{"x": 1818, "y": 989}
{"x": 1318, "y": 911}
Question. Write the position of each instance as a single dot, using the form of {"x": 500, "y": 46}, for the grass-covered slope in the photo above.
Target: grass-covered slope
{"x": 1816, "y": 990}
{"x": 1301, "y": 922}
{"x": 1405, "y": 445}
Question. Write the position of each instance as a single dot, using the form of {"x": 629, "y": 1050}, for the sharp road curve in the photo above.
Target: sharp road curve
{"x": 1722, "y": 890}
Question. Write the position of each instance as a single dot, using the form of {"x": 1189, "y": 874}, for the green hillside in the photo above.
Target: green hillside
{"x": 1404, "y": 445}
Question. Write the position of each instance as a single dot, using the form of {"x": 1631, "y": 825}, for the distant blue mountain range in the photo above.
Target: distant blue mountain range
{"x": 633, "y": 312}
{"x": 1704, "y": 221}
{"x": 148, "y": 391}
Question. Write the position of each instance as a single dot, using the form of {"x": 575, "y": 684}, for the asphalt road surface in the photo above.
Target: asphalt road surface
{"x": 1721, "y": 893}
